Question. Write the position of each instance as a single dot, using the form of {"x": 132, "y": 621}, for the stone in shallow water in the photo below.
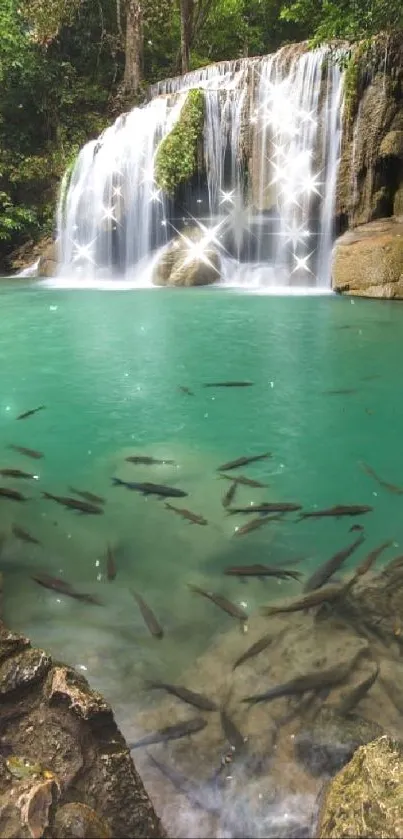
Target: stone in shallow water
{"x": 178, "y": 266}
{"x": 330, "y": 740}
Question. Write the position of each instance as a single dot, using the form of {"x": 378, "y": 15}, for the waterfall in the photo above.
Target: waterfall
{"x": 271, "y": 145}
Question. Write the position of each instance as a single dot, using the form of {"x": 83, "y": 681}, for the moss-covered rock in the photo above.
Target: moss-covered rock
{"x": 366, "y": 798}
{"x": 392, "y": 145}
{"x": 368, "y": 261}
{"x": 177, "y": 155}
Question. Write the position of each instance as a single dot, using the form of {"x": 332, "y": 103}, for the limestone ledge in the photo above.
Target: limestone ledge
{"x": 368, "y": 260}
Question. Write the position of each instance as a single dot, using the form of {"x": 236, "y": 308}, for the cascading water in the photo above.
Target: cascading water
{"x": 266, "y": 192}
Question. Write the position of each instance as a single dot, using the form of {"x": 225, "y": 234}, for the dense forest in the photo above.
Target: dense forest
{"x": 68, "y": 67}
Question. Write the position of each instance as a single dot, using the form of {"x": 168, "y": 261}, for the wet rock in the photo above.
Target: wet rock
{"x": 77, "y": 821}
{"x": 179, "y": 266}
{"x": 63, "y": 745}
{"x": 66, "y": 685}
{"x": 365, "y": 798}
{"x": 28, "y": 798}
{"x": 23, "y": 669}
{"x": 325, "y": 745}
{"x": 48, "y": 261}
{"x": 368, "y": 261}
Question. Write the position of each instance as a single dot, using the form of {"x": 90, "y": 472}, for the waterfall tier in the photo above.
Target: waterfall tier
{"x": 262, "y": 193}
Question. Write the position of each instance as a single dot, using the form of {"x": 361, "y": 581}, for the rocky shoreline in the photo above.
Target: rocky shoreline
{"x": 65, "y": 769}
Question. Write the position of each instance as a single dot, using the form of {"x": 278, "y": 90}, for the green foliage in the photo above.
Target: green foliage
{"x": 62, "y": 63}
{"x": 349, "y": 20}
{"x": 13, "y": 219}
{"x": 176, "y": 157}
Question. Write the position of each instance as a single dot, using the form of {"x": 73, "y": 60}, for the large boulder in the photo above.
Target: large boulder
{"x": 188, "y": 260}
{"x": 368, "y": 260}
{"x": 47, "y": 266}
{"x": 365, "y": 798}
{"x": 65, "y": 769}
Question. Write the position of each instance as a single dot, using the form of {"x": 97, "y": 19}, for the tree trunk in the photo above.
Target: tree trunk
{"x": 134, "y": 47}
{"x": 186, "y": 27}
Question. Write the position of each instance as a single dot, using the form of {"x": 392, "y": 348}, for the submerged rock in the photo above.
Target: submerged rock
{"x": 330, "y": 740}
{"x": 66, "y": 769}
{"x": 179, "y": 266}
{"x": 365, "y": 798}
{"x": 368, "y": 261}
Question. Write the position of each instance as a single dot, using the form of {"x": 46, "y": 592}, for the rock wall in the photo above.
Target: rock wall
{"x": 370, "y": 181}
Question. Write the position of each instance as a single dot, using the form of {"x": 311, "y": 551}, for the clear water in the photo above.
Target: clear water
{"x": 107, "y": 366}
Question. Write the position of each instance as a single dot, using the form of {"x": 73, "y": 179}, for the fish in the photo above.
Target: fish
{"x": 324, "y": 594}
{"x": 266, "y": 507}
{"x": 242, "y": 461}
{"x": 88, "y": 496}
{"x": 182, "y": 783}
{"x": 147, "y": 461}
{"x": 232, "y": 733}
{"x": 228, "y": 384}
{"x": 148, "y": 616}
{"x": 151, "y": 489}
{"x": 186, "y": 514}
{"x": 16, "y": 473}
{"x": 28, "y": 452}
{"x": 353, "y": 697}
{"x": 393, "y": 565}
{"x": 229, "y": 495}
{"x": 111, "y": 570}
{"x": 226, "y": 605}
{"x": 242, "y": 479}
{"x": 368, "y": 562}
{"x": 63, "y": 587}
{"x": 19, "y": 533}
{"x": 12, "y": 494}
{"x": 171, "y": 732}
{"x": 186, "y": 390}
{"x": 385, "y": 484}
{"x": 316, "y": 680}
{"x": 342, "y": 391}
{"x": 253, "y": 650}
{"x": 337, "y": 511}
{"x": 356, "y": 527}
{"x": 196, "y": 699}
{"x": 261, "y": 571}
{"x": 328, "y": 568}
{"x": 31, "y": 412}
{"x": 74, "y": 503}
{"x": 254, "y": 524}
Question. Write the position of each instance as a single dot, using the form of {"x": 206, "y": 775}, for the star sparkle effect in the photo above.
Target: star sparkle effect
{"x": 84, "y": 252}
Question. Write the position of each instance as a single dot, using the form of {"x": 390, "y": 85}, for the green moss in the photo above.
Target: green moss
{"x": 176, "y": 158}
{"x": 355, "y": 67}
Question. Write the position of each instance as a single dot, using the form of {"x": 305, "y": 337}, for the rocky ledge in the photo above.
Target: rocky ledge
{"x": 368, "y": 260}
{"x": 65, "y": 769}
